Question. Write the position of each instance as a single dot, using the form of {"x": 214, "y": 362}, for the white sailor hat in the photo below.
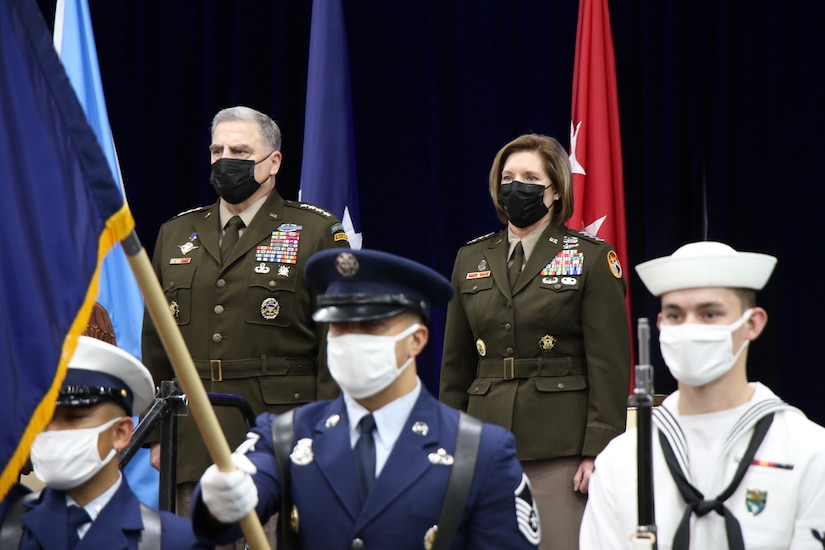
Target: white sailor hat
{"x": 706, "y": 264}
{"x": 99, "y": 372}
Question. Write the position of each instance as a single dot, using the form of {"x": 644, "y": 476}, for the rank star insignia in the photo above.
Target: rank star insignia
{"x": 547, "y": 342}
{"x": 755, "y": 501}
{"x": 302, "y": 453}
{"x": 283, "y": 271}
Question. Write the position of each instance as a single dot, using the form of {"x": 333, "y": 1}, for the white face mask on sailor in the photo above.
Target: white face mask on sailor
{"x": 697, "y": 354}
{"x": 365, "y": 364}
{"x": 65, "y": 459}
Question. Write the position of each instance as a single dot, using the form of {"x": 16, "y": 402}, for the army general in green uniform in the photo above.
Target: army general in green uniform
{"x": 537, "y": 337}
{"x": 233, "y": 277}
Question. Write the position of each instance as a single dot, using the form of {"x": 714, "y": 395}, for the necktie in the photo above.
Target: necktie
{"x": 515, "y": 267}
{"x": 696, "y": 501}
{"x": 365, "y": 455}
{"x": 77, "y": 517}
{"x": 230, "y": 236}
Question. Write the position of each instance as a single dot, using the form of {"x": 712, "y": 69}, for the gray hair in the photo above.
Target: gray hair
{"x": 269, "y": 129}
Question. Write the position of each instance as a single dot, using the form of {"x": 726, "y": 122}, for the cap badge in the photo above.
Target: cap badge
{"x": 420, "y": 428}
{"x": 270, "y": 308}
{"x": 347, "y": 264}
{"x": 261, "y": 268}
{"x": 481, "y": 347}
{"x": 547, "y": 342}
{"x": 332, "y": 421}
{"x": 440, "y": 458}
{"x": 302, "y": 453}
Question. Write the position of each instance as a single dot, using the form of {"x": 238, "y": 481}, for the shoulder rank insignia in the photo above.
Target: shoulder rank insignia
{"x": 615, "y": 264}
{"x": 313, "y": 208}
{"x": 483, "y": 237}
{"x": 196, "y": 209}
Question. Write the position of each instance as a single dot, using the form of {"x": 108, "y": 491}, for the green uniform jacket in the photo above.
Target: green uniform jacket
{"x": 551, "y": 361}
{"x": 248, "y": 324}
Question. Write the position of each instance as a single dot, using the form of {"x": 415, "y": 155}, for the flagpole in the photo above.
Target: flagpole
{"x": 187, "y": 375}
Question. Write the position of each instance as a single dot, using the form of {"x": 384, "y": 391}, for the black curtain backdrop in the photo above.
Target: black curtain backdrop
{"x": 721, "y": 114}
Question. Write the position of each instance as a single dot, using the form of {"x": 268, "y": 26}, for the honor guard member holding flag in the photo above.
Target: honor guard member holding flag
{"x": 232, "y": 274}
{"x": 87, "y": 502}
{"x": 734, "y": 466}
{"x": 372, "y": 468}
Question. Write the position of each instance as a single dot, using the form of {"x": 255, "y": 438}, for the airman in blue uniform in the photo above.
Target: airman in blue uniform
{"x": 382, "y": 486}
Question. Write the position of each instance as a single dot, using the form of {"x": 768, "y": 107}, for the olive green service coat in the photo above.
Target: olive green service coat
{"x": 247, "y": 323}
{"x": 550, "y": 361}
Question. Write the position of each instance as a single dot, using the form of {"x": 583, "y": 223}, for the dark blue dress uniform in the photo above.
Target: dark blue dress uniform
{"x": 118, "y": 527}
{"x": 403, "y": 506}
{"x": 405, "y": 501}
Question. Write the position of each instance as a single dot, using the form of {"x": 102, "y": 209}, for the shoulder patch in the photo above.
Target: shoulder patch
{"x": 191, "y": 210}
{"x": 482, "y": 238}
{"x": 309, "y": 207}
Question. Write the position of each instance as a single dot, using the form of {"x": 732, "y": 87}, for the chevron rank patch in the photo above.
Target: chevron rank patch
{"x": 527, "y": 515}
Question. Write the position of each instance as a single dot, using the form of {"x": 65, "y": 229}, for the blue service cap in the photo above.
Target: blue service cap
{"x": 99, "y": 372}
{"x": 365, "y": 285}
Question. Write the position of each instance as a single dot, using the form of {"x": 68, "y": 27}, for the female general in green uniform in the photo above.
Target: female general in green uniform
{"x": 537, "y": 336}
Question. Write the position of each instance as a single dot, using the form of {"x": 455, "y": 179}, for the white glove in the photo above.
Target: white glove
{"x": 230, "y": 495}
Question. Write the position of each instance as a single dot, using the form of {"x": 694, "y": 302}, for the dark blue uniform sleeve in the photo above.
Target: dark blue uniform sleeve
{"x": 502, "y": 512}
{"x": 260, "y": 451}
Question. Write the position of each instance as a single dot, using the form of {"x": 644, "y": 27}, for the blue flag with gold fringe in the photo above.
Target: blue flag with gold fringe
{"x": 62, "y": 211}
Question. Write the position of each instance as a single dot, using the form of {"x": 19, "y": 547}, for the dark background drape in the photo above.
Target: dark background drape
{"x": 721, "y": 116}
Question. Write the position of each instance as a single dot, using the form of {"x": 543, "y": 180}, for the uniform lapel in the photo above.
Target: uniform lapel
{"x": 265, "y": 221}
{"x": 120, "y": 515}
{"x": 496, "y": 257}
{"x": 205, "y": 225}
{"x": 548, "y": 245}
{"x": 44, "y": 521}
{"x": 333, "y": 455}
{"x": 407, "y": 462}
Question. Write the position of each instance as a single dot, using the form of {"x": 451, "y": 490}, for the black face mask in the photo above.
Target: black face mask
{"x": 234, "y": 179}
{"x": 523, "y": 203}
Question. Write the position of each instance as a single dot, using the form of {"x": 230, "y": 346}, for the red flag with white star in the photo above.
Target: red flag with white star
{"x": 595, "y": 139}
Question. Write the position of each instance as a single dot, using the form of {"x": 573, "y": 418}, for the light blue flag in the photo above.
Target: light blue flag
{"x": 328, "y": 168}
{"x": 119, "y": 293}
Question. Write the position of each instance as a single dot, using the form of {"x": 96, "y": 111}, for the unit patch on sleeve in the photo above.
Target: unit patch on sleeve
{"x": 615, "y": 264}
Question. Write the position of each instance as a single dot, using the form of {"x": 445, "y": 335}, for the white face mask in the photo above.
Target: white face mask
{"x": 364, "y": 364}
{"x": 65, "y": 459}
{"x": 698, "y": 354}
